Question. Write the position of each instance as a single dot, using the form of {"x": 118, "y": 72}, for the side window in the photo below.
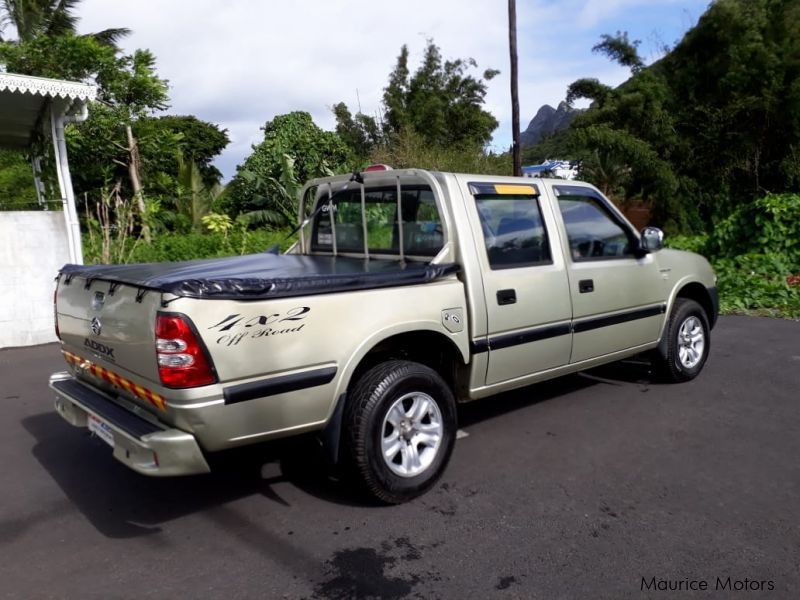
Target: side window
{"x": 513, "y": 230}
{"x": 591, "y": 231}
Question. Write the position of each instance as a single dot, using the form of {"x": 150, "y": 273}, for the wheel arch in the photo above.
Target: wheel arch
{"x": 692, "y": 290}
{"x": 426, "y": 346}
{"x": 425, "y": 343}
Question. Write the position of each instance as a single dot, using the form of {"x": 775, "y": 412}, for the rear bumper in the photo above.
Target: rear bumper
{"x": 144, "y": 445}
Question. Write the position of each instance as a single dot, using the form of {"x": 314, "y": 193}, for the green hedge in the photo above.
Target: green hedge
{"x": 175, "y": 247}
{"x": 755, "y": 253}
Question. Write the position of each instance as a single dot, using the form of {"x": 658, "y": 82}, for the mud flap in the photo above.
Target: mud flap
{"x": 331, "y": 435}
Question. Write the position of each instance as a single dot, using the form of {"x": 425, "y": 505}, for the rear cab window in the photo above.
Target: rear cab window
{"x": 422, "y": 233}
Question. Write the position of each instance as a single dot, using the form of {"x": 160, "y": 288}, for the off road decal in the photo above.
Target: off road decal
{"x": 116, "y": 380}
{"x": 238, "y": 327}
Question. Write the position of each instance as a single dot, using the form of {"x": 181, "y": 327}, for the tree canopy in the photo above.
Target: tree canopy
{"x": 292, "y": 139}
{"x": 441, "y": 103}
{"x": 32, "y": 19}
{"x": 712, "y": 125}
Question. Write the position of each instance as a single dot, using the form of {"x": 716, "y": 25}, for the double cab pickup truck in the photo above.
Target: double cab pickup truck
{"x": 407, "y": 292}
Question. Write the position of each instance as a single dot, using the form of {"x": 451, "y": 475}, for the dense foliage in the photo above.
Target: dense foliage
{"x": 294, "y": 150}
{"x": 756, "y": 254}
{"x": 708, "y": 128}
{"x": 16, "y": 181}
{"x": 441, "y": 104}
{"x": 187, "y": 246}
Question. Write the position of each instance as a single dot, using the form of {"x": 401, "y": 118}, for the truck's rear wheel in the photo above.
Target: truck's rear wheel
{"x": 401, "y": 426}
{"x": 687, "y": 342}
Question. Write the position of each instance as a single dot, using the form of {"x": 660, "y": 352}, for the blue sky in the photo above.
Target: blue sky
{"x": 242, "y": 62}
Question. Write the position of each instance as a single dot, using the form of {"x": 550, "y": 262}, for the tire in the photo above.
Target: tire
{"x": 684, "y": 351}
{"x": 394, "y": 407}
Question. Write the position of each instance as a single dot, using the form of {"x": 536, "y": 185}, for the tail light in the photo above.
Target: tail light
{"x": 183, "y": 361}
{"x": 55, "y": 312}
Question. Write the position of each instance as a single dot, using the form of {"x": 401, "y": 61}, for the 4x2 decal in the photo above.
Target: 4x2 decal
{"x": 238, "y": 327}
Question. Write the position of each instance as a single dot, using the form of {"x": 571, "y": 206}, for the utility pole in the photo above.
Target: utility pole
{"x": 512, "y": 46}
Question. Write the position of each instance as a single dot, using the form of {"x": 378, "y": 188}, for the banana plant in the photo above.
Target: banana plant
{"x": 195, "y": 198}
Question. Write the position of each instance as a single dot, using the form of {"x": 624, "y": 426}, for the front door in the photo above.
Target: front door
{"x": 618, "y": 297}
{"x": 525, "y": 281}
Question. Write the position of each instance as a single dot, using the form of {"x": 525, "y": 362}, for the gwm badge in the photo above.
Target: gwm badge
{"x": 97, "y": 326}
{"x": 97, "y": 300}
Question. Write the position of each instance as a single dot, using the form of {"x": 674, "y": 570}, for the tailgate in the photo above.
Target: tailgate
{"x": 109, "y": 324}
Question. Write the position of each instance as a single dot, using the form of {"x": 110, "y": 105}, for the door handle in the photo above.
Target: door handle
{"x": 585, "y": 286}
{"x": 506, "y": 297}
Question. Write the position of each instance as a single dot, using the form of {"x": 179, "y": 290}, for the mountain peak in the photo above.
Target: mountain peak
{"x": 547, "y": 121}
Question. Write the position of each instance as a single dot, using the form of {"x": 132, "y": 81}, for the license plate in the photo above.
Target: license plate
{"x": 101, "y": 430}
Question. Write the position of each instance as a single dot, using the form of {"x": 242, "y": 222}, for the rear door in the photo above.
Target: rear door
{"x": 617, "y": 297}
{"x": 524, "y": 280}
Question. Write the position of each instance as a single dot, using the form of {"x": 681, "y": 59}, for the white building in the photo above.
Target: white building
{"x": 562, "y": 169}
{"x": 35, "y": 244}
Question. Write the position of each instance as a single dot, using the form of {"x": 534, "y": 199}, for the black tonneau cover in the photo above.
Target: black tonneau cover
{"x": 266, "y": 275}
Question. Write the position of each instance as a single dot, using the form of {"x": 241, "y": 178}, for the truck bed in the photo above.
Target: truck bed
{"x": 262, "y": 276}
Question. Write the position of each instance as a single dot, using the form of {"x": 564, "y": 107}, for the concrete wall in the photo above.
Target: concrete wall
{"x": 33, "y": 247}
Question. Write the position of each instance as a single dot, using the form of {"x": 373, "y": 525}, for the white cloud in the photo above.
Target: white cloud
{"x": 241, "y": 62}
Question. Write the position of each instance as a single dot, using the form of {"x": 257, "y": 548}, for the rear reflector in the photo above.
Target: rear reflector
{"x": 182, "y": 359}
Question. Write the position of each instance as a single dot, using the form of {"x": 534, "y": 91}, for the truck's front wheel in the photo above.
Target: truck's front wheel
{"x": 401, "y": 426}
{"x": 686, "y": 344}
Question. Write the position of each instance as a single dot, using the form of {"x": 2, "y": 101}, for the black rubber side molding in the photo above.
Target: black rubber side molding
{"x": 507, "y": 340}
{"x": 278, "y": 385}
{"x": 631, "y": 315}
{"x": 535, "y": 334}
{"x": 106, "y": 409}
{"x": 531, "y": 335}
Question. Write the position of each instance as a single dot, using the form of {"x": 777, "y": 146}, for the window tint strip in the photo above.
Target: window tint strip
{"x": 504, "y": 189}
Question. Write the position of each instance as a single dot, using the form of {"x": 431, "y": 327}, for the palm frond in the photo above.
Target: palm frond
{"x": 110, "y": 37}
{"x": 262, "y": 217}
{"x": 24, "y": 15}
{"x": 58, "y": 17}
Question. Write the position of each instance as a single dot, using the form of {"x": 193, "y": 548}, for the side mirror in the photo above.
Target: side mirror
{"x": 652, "y": 239}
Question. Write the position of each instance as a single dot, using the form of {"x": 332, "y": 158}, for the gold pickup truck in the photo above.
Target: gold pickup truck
{"x": 407, "y": 292}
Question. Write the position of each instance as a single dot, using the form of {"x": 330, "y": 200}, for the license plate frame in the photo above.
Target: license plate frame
{"x": 101, "y": 429}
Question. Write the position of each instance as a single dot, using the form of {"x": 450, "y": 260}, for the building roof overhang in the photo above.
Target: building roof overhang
{"x": 23, "y": 98}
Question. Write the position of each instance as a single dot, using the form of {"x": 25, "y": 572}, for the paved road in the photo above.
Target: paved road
{"x": 571, "y": 489}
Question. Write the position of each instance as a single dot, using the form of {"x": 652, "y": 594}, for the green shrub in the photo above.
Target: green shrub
{"x": 189, "y": 246}
{"x": 690, "y": 243}
{"x": 757, "y": 282}
{"x": 769, "y": 225}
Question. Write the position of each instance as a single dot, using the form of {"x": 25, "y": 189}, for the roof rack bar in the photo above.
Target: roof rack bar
{"x": 331, "y": 216}
{"x": 400, "y": 219}
{"x": 300, "y": 210}
{"x": 364, "y": 221}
